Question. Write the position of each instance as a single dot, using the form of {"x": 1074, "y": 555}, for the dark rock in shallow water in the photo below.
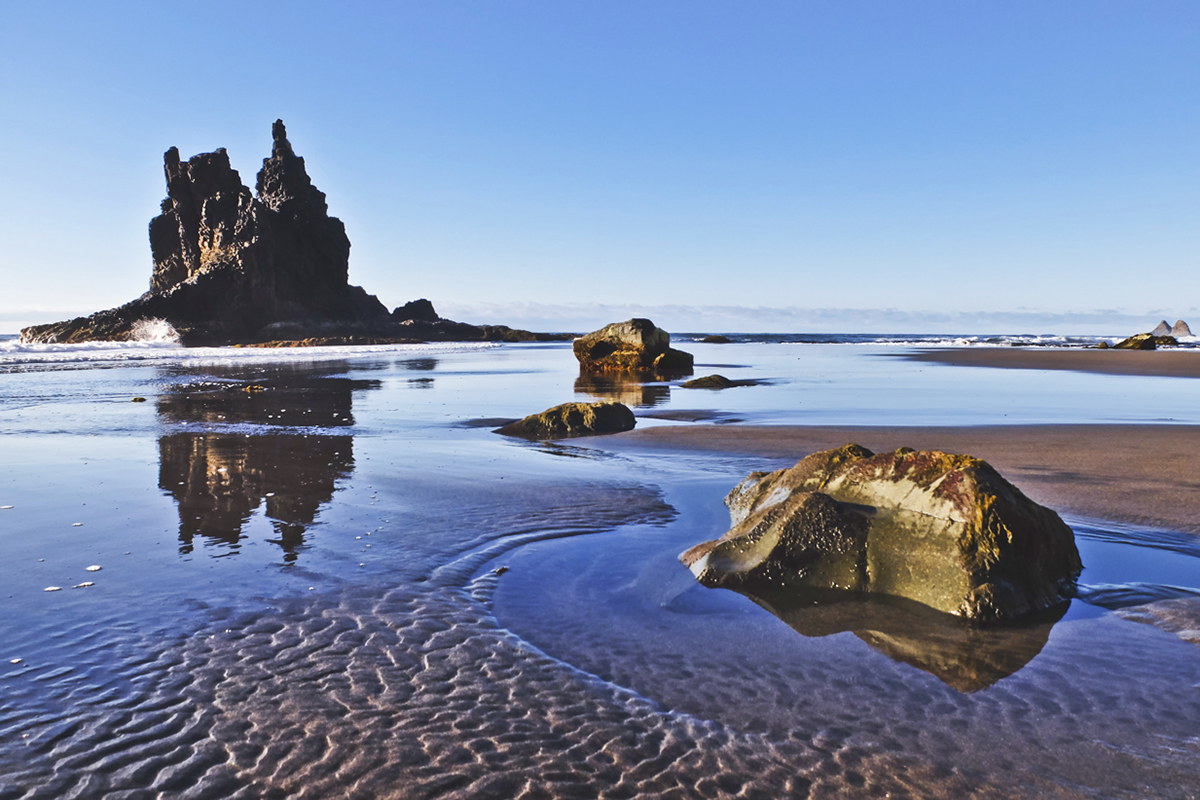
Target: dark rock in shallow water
{"x": 573, "y": 419}
{"x": 716, "y": 339}
{"x": 230, "y": 267}
{"x": 636, "y": 345}
{"x": 1139, "y": 341}
{"x": 715, "y": 382}
{"x": 944, "y": 530}
{"x": 1146, "y": 341}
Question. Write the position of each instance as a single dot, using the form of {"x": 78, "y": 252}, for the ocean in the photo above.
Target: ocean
{"x": 321, "y": 574}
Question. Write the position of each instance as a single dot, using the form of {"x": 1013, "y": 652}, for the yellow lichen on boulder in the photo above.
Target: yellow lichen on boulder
{"x": 945, "y": 530}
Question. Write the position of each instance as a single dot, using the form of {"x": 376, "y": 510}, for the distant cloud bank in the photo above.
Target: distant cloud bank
{"x": 584, "y": 317}
{"x": 741, "y": 319}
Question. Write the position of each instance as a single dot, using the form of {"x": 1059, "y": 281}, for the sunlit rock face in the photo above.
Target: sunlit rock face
{"x": 944, "y": 530}
{"x": 633, "y": 346}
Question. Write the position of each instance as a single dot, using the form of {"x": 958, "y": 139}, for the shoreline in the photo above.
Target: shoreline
{"x": 1141, "y": 475}
{"x": 1145, "y": 363}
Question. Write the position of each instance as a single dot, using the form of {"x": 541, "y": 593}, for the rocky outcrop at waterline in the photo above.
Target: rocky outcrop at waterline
{"x": 234, "y": 267}
{"x": 634, "y": 346}
{"x": 941, "y": 529}
{"x": 572, "y": 419}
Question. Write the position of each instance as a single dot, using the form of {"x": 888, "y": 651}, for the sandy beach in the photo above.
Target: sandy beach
{"x": 1134, "y": 474}
{"x": 1184, "y": 363}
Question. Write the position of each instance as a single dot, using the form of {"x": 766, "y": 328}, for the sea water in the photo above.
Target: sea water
{"x": 321, "y": 574}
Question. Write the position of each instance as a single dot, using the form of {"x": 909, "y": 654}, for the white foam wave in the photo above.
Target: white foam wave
{"x": 16, "y": 356}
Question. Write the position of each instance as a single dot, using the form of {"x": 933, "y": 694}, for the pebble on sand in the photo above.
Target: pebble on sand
{"x": 4, "y": 507}
{"x": 83, "y": 585}
{"x": 53, "y": 589}
{"x": 94, "y": 568}
{"x": 15, "y": 660}
{"x": 76, "y": 524}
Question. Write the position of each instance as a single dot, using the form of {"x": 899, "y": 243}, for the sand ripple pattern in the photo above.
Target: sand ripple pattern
{"x": 422, "y": 696}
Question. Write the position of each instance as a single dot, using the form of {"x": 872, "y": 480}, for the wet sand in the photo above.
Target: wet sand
{"x": 1135, "y": 474}
{"x": 1158, "y": 363}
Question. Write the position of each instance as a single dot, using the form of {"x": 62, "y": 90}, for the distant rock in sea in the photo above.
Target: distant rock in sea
{"x": 1180, "y": 328}
{"x": 230, "y": 267}
{"x": 1161, "y": 329}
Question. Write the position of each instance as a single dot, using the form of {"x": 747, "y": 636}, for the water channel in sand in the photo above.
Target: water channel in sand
{"x": 300, "y": 593}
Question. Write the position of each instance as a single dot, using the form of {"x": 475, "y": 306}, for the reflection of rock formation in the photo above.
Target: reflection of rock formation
{"x": 220, "y": 479}
{"x": 964, "y": 656}
{"x": 623, "y": 389}
{"x": 259, "y": 445}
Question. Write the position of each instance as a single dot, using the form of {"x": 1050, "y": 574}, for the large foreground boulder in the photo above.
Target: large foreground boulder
{"x": 572, "y": 419}
{"x": 941, "y": 529}
{"x": 636, "y": 345}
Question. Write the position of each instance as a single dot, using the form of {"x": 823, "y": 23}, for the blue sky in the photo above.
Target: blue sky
{"x": 1016, "y": 166}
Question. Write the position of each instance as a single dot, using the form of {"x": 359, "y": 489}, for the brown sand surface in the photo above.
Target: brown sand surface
{"x": 1135, "y": 474}
{"x": 1162, "y": 363}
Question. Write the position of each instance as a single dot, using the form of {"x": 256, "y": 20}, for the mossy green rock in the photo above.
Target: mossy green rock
{"x": 944, "y": 530}
{"x": 572, "y": 419}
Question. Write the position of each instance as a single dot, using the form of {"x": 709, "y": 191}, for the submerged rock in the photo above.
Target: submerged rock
{"x": 716, "y": 338}
{"x": 941, "y": 529}
{"x": 636, "y": 345}
{"x": 572, "y": 419}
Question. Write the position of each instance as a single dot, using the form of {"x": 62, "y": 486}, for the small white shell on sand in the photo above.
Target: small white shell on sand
{"x": 53, "y": 589}
{"x": 94, "y": 568}
{"x": 76, "y": 524}
{"x": 83, "y": 585}
{"x": 5, "y": 507}
{"x": 15, "y": 660}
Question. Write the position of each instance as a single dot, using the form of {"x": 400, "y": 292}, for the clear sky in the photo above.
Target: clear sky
{"x": 837, "y": 165}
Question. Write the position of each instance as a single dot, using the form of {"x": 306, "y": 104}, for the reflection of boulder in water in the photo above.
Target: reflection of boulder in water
{"x": 964, "y": 656}
{"x": 219, "y": 480}
{"x": 625, "y": 389}
{"x": 285, "y": 399}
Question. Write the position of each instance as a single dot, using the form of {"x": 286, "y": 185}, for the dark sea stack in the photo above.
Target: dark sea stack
{"x": 1161, "y": 329}
{"x": 416, "y": 311}
{"x": 944, "y": 530}
{"x": 1180, "y": 328}
{"x": 636, "y": 345}
{"x": 572, "y": 419}
{"x": 230, "y": 267}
